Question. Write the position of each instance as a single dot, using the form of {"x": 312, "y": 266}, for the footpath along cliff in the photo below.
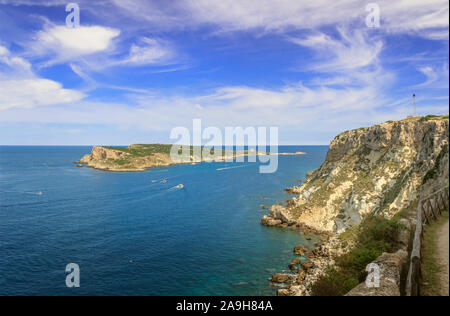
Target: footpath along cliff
{"x": 378, "y": 170}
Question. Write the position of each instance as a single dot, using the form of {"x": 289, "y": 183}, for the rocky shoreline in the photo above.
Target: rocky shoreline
{"x": 309, "y": 263}
{"x": 300, "y": 280}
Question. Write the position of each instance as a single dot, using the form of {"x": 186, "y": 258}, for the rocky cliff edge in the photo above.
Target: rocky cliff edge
{"x": 375, "y": 170}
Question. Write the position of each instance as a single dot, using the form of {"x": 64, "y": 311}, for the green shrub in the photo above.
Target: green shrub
{"x": 334, "y": 283}
{"x": 375, "y": 236}
{"x": 433, "y": 117}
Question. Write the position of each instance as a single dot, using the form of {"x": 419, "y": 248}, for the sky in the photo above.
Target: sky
{"x": 135, "y": 69}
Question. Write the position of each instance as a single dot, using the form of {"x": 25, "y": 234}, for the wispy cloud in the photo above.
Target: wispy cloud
{"x": 149, "y": 51}
{"x": 425, "y": 18}
{"x": 429, "y": 19}
{"x": 349, "y": 51}
{"x": 436, "y": 77}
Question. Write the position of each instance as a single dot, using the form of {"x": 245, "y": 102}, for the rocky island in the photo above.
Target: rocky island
{"x": 140, "y": 157}
{"x": 377, "y": 171}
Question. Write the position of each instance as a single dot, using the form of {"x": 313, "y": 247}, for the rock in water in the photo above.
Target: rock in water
{"x": 295, "y": 261}
{"x": 280, "y": 278}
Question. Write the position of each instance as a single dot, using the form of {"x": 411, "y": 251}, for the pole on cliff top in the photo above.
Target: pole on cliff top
{"x": 415, "y": 108}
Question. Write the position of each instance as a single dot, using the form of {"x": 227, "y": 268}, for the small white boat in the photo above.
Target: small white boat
{"x": 180, "y": 186}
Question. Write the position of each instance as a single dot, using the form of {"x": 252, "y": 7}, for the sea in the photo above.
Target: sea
{"x": 142, "y": 233}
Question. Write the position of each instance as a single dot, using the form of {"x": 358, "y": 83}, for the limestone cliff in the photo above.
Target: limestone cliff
{"x": 375, "y": 170}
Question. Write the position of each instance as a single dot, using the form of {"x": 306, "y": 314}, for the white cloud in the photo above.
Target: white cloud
{"x": 21, "y": 88}
{"x": 226, "y": 106}
{"x": 94, "y": 48}
{"x": 306, "y": 110}
{"x": 69, "y": 44}
{"x": 351, "y": 86}
{"x": 29, "y": 93}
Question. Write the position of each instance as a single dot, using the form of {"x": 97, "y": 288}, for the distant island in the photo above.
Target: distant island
{"x": 141, "y": 157}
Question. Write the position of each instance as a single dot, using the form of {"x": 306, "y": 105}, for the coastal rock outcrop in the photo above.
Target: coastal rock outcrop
{"x": 375, "y": 170}
{"x": 378, "y": 170}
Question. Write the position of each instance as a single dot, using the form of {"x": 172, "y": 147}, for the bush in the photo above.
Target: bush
{"x": 379, "y": 229}
{"x": 334, "y": 283}
{"x": 375, "y": 236}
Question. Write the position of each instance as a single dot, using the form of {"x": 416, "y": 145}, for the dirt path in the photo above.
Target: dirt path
{"x": 443, "y": 244}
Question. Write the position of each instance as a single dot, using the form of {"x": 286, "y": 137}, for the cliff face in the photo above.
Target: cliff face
{"x": 375, "y": 170}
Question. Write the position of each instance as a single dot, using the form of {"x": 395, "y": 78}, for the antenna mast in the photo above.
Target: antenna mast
{"x": 414, "y": 101}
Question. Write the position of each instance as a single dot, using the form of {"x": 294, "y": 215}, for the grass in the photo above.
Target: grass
{"x": 404, "y": 213}
{"x": 144, "y": 150}
{"x": 433, "y": 117}
{"x": 372, "y": 237}
{"x": 430, "y": 265}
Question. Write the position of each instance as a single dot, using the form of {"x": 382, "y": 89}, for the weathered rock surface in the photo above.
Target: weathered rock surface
{"x": 390, "y": 268}
{"x": 283, "y": 292}
{"x": 375, "y": 170}
{"x": 295, "y": 261}
{"x": 320, "y": 259}
{"x": 280, "y": 278}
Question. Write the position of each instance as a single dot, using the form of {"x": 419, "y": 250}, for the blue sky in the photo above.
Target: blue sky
{"x": 135, "y": 69}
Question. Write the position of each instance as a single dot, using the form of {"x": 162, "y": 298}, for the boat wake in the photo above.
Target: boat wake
{"x": 177, "y": 187}
{"x": 22, "y": 192}
{"x": 220, "y": 169}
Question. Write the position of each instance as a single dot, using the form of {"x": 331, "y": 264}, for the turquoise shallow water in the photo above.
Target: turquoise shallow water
{"x": 133, "y": 235}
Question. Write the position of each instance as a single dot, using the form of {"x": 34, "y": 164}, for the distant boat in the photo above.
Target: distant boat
{"x": 180, "y": 186}
{"x": 164, "y": 181}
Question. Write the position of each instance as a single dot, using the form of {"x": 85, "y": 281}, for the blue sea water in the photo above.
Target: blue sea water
{"x": 131, "y": 234}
